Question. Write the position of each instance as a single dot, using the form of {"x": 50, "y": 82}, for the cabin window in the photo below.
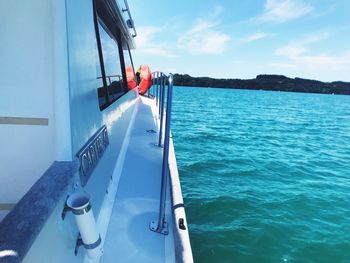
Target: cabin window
{"x": 112, "y": 65}
{"x": 127, "y": 59}
{"x": 111, "y": 84}
{"x": 114, "y": 57}
{"x": 129, "y": 68}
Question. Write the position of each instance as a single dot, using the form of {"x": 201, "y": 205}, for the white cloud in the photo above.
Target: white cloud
{"x": 202, "y": 25}
{"x": 204, "y": 37}
{"x": 279, "y": 11}
{"x": 300, "y": 58}
{"x": 146, "y": 35}
{"x": 204, "y": 42}
{"x": 283, "y": 65}
{"x": 291, "y": 51}
{"x": 324, "y": 67}
{"x": 325, "y": 62}
{"x": 239, "y": 62}
{"x": 146, "y": 44}
{"x": 158, "y": 50}
{"x": 217, "y": 10}
{"x": 314, "y": 38}
{"x": 300, "y": 46}
{"x": 255, "y": 37}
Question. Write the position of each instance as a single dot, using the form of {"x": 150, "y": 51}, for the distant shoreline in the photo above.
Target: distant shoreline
{"x": 266, "y": 82}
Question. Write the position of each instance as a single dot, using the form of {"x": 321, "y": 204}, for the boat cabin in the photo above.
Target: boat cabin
{"x": 88, "y": 166}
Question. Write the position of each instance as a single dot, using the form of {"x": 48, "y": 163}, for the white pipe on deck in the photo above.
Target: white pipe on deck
{"x": 79, "y": 202}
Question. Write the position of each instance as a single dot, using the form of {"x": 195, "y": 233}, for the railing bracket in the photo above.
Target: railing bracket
{"x": 65, "y": 209}
{"x": 78, "y": 244}
{"x": 154, "y": 227}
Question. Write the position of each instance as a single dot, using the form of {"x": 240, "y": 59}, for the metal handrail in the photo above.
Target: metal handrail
{"x": 160, "y": 225}
{"x": 130, "y": 21}
{"x": 161, "y": 111}
{"x": 157, "y": 89}
{"x": 111, "y": 76}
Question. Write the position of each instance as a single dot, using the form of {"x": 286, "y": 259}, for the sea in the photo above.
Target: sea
{"x": 265, "y": 175}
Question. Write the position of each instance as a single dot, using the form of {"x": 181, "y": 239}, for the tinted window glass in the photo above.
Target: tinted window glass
{"x": 114, "y": 79}
{"x": 127, "y": 59}
{"x": 130, "y": 72}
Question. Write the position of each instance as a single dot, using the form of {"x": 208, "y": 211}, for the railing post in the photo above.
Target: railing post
{"x": 157, "y": 81}
{"x": 161, "y": 89}
{"x": 161, "y": 111}
{"x": 161, "y": 226}
{"x": 158, "y": 88}
{"x": 154, "y": 83}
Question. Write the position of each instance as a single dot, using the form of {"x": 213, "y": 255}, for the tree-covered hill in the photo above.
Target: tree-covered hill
{"x": 266, "y": 82}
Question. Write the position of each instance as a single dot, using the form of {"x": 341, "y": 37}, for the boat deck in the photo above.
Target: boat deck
{"x": 128, "y": 237}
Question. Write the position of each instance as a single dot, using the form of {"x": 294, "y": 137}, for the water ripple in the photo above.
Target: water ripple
{"x": 265, "y": 175}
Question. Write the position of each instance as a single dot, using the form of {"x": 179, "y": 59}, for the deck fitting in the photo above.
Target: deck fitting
{"x": 154, "y": 227}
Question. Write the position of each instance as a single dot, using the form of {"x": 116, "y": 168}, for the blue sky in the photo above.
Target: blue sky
{"x": 241, "y": 39}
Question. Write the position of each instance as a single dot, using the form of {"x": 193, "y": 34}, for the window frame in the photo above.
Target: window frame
{"x": 118, "y": 41}
{"x": 132, "y": 62}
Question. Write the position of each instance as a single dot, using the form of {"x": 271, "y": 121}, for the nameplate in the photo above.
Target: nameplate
{"x": 91, "y": 153}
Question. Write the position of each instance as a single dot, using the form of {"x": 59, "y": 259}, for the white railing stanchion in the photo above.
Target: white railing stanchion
{"x": 160, "y": 225}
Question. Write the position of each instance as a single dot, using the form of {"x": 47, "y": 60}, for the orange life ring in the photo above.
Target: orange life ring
{"x": 146, "y": 79}
{"x": 130, "y": 78}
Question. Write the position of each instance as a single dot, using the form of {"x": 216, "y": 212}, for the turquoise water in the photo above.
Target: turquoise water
{"x": 265, "y": 175}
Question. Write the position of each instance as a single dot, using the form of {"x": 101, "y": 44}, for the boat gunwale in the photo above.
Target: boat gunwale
{"x": 21, "y": 226}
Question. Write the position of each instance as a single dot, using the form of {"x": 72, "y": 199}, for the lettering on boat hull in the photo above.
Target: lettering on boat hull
{"x": 90, "y": 154}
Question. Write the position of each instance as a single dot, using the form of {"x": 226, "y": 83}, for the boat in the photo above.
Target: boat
{"x": 88, "y": 167}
